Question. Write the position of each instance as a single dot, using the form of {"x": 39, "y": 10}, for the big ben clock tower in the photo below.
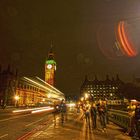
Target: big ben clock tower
{"x": 50, "y": 68}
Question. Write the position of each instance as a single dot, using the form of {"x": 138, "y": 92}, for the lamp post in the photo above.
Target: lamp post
{"x": 16, "y": 100}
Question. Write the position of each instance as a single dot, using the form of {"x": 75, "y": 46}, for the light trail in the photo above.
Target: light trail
{"x": 42, "y": 110}
{"x": 38, "y": 84}
{"x": 31, "y": 109}
{"x": 53, "y": 93}
{"x": 37, "y": 110}
{"x": 49, "y": 85}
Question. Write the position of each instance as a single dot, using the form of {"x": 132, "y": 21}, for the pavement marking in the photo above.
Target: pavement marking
{"x": 24, "y": 137}
{"x": 5, "y": 135}
{"x": 34, "y": 122}
{"x": 14, "y": 117}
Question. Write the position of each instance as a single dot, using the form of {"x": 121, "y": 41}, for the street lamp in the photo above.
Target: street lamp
{"x": 82, "y": 98}
{"x": 16, "y": 100}
{"x": 86, "y": 95}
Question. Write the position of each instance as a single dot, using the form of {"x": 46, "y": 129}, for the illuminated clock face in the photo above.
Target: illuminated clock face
{"x": 49, "y": 66}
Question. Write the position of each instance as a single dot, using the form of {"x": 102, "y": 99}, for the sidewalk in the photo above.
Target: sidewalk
{"x": 56, "y": 131}
{"x": 76, "y": 129}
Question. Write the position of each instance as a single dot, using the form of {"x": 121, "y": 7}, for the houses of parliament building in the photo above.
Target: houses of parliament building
{"x": 29, "y": 91}
{"x": 102, "y": 89}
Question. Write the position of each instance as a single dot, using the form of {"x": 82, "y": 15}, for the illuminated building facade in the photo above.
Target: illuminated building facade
{"x": 50, "y": 68}
{"x": 102, "y": 90}
{"x": 24, "y": 91}
{"x": 34, "y": 92}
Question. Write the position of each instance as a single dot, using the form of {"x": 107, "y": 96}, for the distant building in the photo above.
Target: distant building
{"x": 102, "y": 89}
{"x": 50, "y": 68}
{"x": 34, "y": 92}
{"x": 7, "y": 85}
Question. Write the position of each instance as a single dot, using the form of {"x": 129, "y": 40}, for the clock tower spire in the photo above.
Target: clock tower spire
{"x": 50, "y": 67}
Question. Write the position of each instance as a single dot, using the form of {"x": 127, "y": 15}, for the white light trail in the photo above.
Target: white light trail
{"x": 31, "y": 109}
{"x": 38, "y": 84}
{"x": 42, "y": 110}
{"x": 46, "y": 88}
{"x": 49, "y": 85}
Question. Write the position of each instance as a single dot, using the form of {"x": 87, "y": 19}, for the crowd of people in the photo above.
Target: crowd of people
{"x": 94, "y": 111}
{"x": 91, "y": 112}
{"x": 99, "y": 111}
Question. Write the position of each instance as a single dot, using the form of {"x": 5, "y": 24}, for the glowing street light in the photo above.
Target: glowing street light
{"x": 133, "y": 100}
{"x": 86, "y": 95}
{"x": 16, "y": 99}
{"x": 82, "y": 98}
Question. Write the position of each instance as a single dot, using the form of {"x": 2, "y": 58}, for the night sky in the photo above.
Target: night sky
{"x": 83, "y": 32}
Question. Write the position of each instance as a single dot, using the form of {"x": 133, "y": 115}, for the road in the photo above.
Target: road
{"x": 15, "y": 125}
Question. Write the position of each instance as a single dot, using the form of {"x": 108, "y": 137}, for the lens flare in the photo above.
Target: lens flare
{"x": 126, "y": 44}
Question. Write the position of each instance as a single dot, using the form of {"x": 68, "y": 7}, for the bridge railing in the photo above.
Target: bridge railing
{"x": 121, "y": 118}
